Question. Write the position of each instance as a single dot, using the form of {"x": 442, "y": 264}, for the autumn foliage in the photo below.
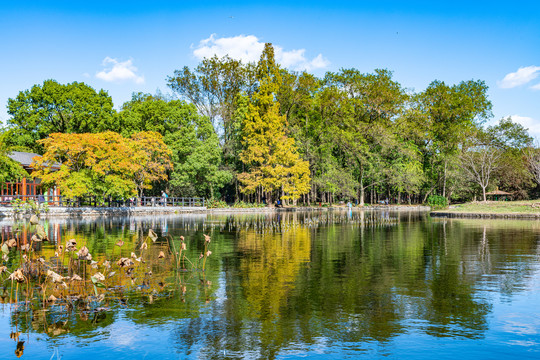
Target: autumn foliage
{"x": 102, "y": 164}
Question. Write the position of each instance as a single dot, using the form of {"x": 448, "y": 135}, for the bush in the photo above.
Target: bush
{"x": 437, "y": 202}
{"x": 216, "y": 204}
{"x": 29, "y": 206}
{"x": 245, "y": 205}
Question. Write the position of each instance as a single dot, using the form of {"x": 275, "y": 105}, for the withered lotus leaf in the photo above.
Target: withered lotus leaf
{"x": 83, "y": 253}
{"x": 119, "y": 243}
{"x": 70, "y": 245}
{"x": 56, "y": 278}
{"x": 34, "y": 220}
{"x": 161, "y": 255}
{"x": 17, "y": 276}
{"x": 152, "y": 235}
{"x": 11, "y": 243}
{"x": 19, "y": 350}
{"x": 99, "y": 276}
{"x": 40, "y": 230}
{"x": 123, "y": 262}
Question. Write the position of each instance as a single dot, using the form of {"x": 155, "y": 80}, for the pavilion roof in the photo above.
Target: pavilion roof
{"x": 498, "y": 192}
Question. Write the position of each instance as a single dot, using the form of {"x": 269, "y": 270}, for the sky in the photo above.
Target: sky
{"x": 132, "y": 46}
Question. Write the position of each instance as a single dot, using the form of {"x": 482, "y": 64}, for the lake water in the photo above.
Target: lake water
{"x": 290, "y": 285}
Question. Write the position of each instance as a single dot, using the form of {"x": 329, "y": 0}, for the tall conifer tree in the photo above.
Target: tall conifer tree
{"x": 270, "y": 156}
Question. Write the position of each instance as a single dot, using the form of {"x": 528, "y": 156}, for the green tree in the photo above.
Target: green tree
{"x": 195, "y": 151}
{"x": 58, "y": 108}
{"x": 197, "y": 158}
{"x": 452, "y": 113}
{"x": 10, "y": 170}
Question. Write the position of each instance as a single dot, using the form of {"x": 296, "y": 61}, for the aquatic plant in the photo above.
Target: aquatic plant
{"x": 75, "y": 281}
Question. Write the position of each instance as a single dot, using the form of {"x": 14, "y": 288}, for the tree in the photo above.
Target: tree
{"x": 373, "y": 101}
{"x": 102, "y": 164}
{"x": 451, "y": 113}
{"x": 212, "y": 87}
{"x": 197, "y": 158}
{"x": 480, "y": 159}
{"x": 153, "y": 157}
{"x": 271, "y": 157}
{"x": 513, "y": 140}
{"x": 9, "y": 169}
{"x": 57, "y": 108}
{"x": 195, "y": 151}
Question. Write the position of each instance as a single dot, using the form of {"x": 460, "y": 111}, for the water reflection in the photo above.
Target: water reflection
{"x": 333, "y": 284}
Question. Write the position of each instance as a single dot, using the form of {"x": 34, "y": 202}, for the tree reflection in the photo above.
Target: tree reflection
{"x": 277, "y": 282}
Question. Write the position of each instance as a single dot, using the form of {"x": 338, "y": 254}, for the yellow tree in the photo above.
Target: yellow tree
{"x": 99, "y": 164}
{"x": 153, "y": 156}
{"x": 102, "y": 164}
{"x": 270, "y": 156}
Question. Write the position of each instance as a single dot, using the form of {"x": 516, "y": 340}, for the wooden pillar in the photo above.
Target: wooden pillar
{"x": 23, "y": 185}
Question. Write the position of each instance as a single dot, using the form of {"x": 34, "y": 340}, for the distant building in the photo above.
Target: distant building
{"x": 27, "y": 187}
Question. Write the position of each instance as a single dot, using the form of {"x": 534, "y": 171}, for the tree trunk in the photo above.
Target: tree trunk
{"x": 484, "y": 193}
{"x": 444, "y": 180}
{"x": 361, "y": 196}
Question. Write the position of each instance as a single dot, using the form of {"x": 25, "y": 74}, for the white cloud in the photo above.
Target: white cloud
{"x": 528, "y": 123}
{"x": 248, "y": 48}
{"x": 117, "y": 71}
{"x": 536, "y": 87}
{"x": 522, "y": 76}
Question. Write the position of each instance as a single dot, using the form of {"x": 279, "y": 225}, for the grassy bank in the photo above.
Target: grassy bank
{"x": 497, "y": 207}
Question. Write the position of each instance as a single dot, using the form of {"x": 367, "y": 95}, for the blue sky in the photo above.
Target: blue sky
{"x": 131, "y": 46}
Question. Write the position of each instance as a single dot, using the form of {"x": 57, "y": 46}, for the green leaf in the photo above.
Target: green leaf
{"x": 5, "y": 249}
{"x": 96, "y": 282}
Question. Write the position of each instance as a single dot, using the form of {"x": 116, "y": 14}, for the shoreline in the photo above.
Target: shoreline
{"x": 88, "y": 212}
{"x": 483, "y": 215}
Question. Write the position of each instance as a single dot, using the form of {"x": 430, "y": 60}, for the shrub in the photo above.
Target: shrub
{"x": 437, "y": 202}
{"x": 216, "y": 204}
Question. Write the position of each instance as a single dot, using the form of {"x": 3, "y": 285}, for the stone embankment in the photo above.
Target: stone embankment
{"x": 108, "y": 211}
{"x": 77, "y": 212}
{"x": 471, "y": 215}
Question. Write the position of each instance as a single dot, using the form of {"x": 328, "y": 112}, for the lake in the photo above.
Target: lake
{"x": 321, "y": 284}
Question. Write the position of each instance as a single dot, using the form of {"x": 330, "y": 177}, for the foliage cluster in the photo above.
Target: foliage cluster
{"x": 21, "y": 206}
{"x": 102, "y": 164}
{"x": 258, "y": 133}
{"x": 437, "y": 202}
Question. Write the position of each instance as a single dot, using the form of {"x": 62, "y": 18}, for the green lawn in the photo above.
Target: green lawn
{"x": 497, "y": 207}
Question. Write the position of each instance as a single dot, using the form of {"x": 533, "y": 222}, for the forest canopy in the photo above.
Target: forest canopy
{"x": 258, "y": 132}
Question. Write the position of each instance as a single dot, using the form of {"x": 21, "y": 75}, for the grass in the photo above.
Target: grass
{"x": 497, "y": 207}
